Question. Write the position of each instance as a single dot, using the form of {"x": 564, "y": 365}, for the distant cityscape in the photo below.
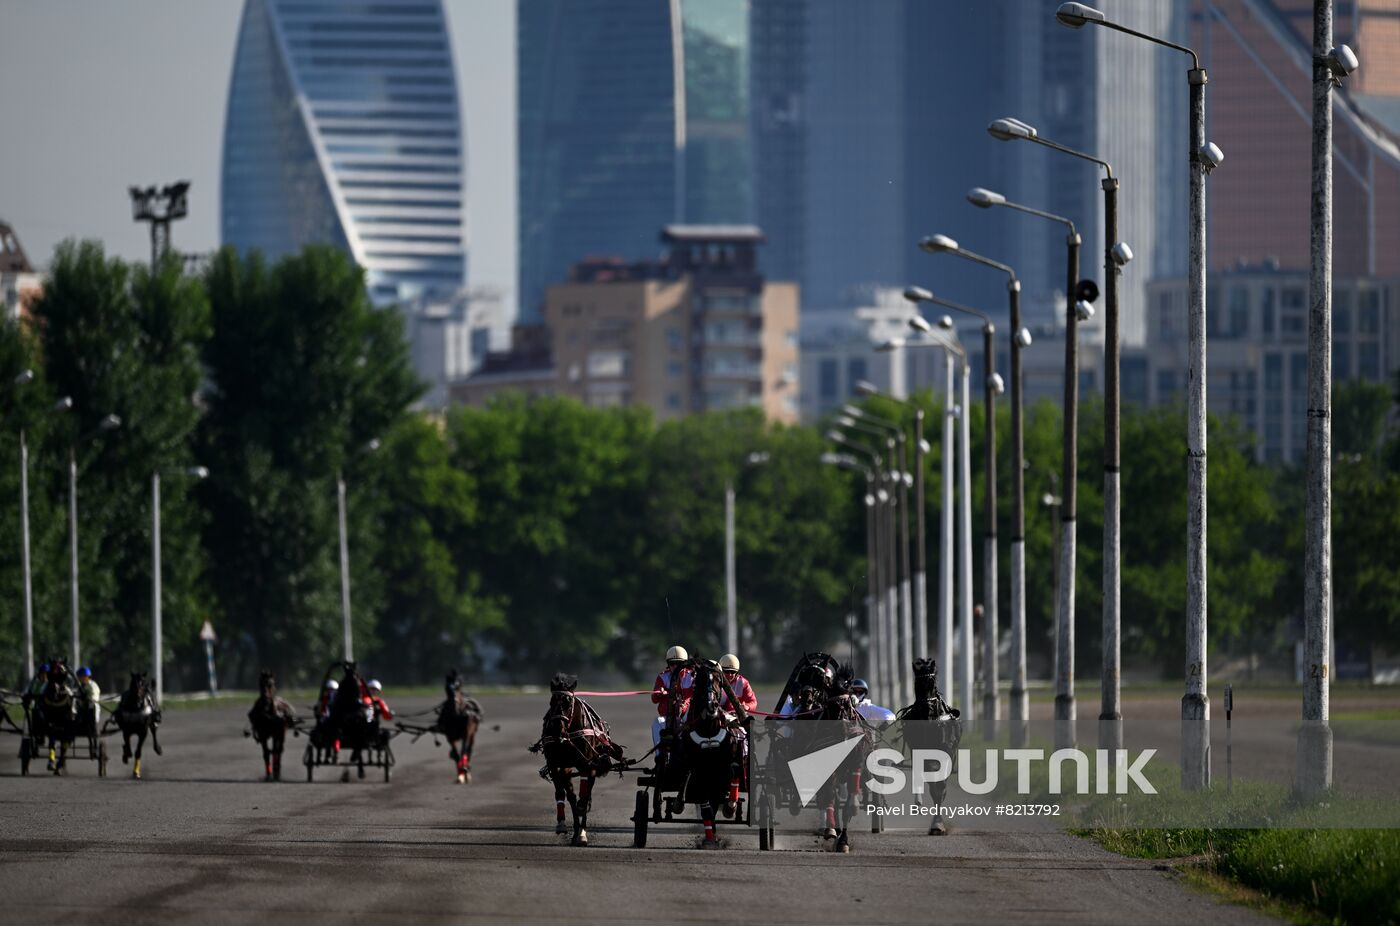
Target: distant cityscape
{"x": 713, "y": 214}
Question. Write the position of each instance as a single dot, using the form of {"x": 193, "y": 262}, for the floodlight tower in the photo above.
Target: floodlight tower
{"x": 160, "y": 208}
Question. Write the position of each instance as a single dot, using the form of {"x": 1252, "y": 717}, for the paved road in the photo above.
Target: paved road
{"x": 201, "y": 840}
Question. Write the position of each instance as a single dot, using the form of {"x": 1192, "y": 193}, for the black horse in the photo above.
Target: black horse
{"x": 576, "y": 742}
{"x": 269, "y": 720}
{"x": 137, "y": 716}
{"x": 929, "y": 723}
{"x": 458, "y": 718}
{"x": 820, "y": 689}
{"x": 58, "y": 716}
{"x": 712, "y": 750}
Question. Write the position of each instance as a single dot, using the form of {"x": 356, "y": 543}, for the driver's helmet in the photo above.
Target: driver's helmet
{"x": 677, "y": 653}
{"x": 859, "y": 687}
{"x": 43, "y": 668}
{"x": 332, "y": 684}
{"x": 84, "y": 672}
{"x": 374, "y": 685}
{"x": 729, "y": 663}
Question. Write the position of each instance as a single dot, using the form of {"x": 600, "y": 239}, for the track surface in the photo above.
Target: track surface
{"x": 202, "y": 840}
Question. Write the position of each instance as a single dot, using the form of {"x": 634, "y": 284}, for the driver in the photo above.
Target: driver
{"x": 676, "y": 659}
{"x": 378, "y": 707}
{"x": 729, "y": 665}
{"x": 89, "y": 693}
{"x": 874, "y": 714}
{"x": 37, "y": 684}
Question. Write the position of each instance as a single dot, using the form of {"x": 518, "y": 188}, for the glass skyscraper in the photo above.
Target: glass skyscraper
{"x": 633, "y": 115}
{"x": 343, "y": 127}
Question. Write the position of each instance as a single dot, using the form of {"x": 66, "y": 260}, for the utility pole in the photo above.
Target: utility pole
{"x": 1314, "y": 756}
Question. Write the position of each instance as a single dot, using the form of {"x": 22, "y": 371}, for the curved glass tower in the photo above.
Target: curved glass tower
{"x": 343, "y": 127}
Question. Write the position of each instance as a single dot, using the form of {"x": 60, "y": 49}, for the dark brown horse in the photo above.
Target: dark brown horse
{"x": 929, "y": 723}
{"x": 269, "y": 720}
{"x": 712, "y": 751}
{"x": 576, "y": 743}
{"x": 137, "y": 716}
{"x": 458, "y": 718}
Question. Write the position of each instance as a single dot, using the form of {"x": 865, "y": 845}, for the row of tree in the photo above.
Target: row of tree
{"x": 529, "y": 536}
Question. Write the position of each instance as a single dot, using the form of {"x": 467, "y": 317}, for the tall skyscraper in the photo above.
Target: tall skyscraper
{"x": 343, "y": 127}
{"x": 633, "y": 115}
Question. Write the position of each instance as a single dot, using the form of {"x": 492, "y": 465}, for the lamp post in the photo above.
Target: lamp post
{"x": 987, "y": 199}
{"x": 895, "y": 500}
{"x": 961, "y": 412}
{"x": 1204, "y": 157}
{"x": 109, "y": 423}
{"x": 920, "y": 581}
{"x": 345, "y": 554}
{"x": 157, "y": 647}
{"x": 1052, "y": 503}
{"x": 1020, "y": 339}
{"x": 1313, "y": 770}
{"x": 24, "y": 378}
{"x": 731, "y": 608}
{"x": 846, "y": 461}
{"x": 905, "y": 646}
{"x": 1116, "y": 254}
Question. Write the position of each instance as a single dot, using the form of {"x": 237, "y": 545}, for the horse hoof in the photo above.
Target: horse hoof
{"x": 844, "y": 849}
{"x": 466, "y": 778}
{"x": 345, "y": 776}
{"x": 829, "y": 833}
{"x": 728, "y": 808}
{"x": 937, "y": 828}
{"x": 156, "y": 747}
{"x": 136, "y": 776}
{"x": 461, "y": 778}
{"x": 710, "y": 844}
{"x": 560, "y": 829}
{"x": 581, "y": 838}
{"x": 126, "y": 754}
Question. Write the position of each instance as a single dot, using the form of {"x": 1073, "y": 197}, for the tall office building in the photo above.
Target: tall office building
{"x": 633, "y": 115}
{"x": 343, "y": 127}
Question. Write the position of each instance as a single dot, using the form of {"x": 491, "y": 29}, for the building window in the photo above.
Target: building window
{"x": 1291, "y": 324}
{"x": 674, "y": 368}
{"x": 1368, "y": 361}
{"x": 1293, "y": 297}
{"x": 1166, "y": 385}
{"x": 1341, "y": 360}
{"x": 1368, "y": 316}
{"x": 675, "y": 340}
{"x": 1266, "y": 312}
{"x": 826, "y": 380}
{"x": 673, "y": 400}
{"x": 1341, "y": 312}
{"x": 856, "y": 370}
{"x": 604, "y": 364}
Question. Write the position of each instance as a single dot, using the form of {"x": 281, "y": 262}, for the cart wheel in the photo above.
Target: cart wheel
{"x": 388, "y": 763}
{"x": 640, "y": 814}
{"x": 101, "y": 760}
{"x": 24, "y": 756}
{"x": 765, "y": 824}
{"x": 309, "y": 759}
{"x": 877, "y": 820}
{"x": 361, "y": 769}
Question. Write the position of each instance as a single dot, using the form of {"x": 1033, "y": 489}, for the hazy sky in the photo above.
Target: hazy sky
{"x": 96, "y": 96}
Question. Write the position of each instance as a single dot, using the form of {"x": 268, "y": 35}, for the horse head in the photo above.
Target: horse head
{"x": 562, "y": 704}
{"x": 706, "y": 714}
{"x": 267, "y": 684}
{"x": 452, "y": 684}
{"x": 925, "y": 679}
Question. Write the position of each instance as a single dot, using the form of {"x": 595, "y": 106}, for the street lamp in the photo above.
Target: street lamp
{"x": 846, "y": 461}
{"x": 882, "y": 636}
{"x": 1020, "y": 339}
{"x": 986, "y": 199}
{"x": 345, "y": 553}
{"x": 961, "y": 411}
{"x": 157, "y": 647}
{"x": 731, "y": 612}
{"x": 1115, "y": 256}
{"x": 24, "y": 378}
{"x": 921, "y": 449}
{"x": 1313, "y": 768}
{"x": 109, "y": 423}
{"x": 898, "y": 500}
{"x": 1203, "y": 158}
{"x": 905, "y": 637}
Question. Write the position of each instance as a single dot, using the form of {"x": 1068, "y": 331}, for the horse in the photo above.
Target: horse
{"x": 137, "y": 715}
{"x": 575, "y": 741}
{"x": 929, "y": 723}
{"x": 349, "y": 721}
{"x": 269, "y": 720}
{"x": 58, "y": 711}
{"x": 713, "y": 748}
{"x": 820, "y": 689}
{"x": 457, "y": 720}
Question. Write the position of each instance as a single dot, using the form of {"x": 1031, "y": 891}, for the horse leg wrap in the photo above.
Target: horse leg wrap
{"x": 855, "y": 782}
{"x": 734, "y": 789}
{"x": 707, "y": 814}
{"x": 559, "y": 810}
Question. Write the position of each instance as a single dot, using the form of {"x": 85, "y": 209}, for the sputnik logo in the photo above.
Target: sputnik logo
{"x": 811, "y": 771}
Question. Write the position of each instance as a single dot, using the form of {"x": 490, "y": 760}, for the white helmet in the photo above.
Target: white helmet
{"x": 332, "y": 684}
{"x": 677, "y": 654}
{"x": 374, "y": 685}
{"x": 729, "y": 662}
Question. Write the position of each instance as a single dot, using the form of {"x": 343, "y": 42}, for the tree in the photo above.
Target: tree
{"x": 124, "y": 339}
{"x": 303, "y": 373}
